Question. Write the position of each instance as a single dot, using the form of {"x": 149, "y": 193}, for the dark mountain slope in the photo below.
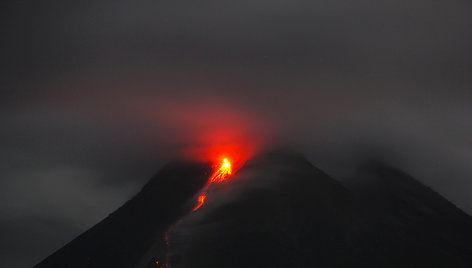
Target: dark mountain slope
{"x": 284, "y": 212}
{"x": 136, "y": 230}
{"x": 278, "y": 210}
{"x": 406, "y": 222}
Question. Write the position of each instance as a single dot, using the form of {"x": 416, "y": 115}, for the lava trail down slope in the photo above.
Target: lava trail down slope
{"x": 277, "y": 210}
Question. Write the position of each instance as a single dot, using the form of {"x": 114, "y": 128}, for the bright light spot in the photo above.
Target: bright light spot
{"x": 226, "y": 164}
{"x": 222, "y": 173}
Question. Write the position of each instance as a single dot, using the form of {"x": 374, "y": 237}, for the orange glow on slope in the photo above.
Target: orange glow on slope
{"x": 201, "y": 200}
{"x": 222, "y": 173}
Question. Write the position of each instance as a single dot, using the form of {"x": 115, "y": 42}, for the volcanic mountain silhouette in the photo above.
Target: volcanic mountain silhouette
{"x": 278, "y": 210}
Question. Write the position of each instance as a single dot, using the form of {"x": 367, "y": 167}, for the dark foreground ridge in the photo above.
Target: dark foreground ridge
{"x": 278, "y": 211}
{"x": 134, "y": 235}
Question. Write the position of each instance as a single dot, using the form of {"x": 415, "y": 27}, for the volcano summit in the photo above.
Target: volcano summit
{"x": 277, "y": 210}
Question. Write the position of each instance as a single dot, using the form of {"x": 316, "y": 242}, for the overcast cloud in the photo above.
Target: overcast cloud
{"x": 98, "y": 95}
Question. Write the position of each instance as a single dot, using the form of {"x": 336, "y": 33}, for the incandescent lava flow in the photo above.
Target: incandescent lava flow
{"x": 201, "y": 200}
{"x": 220, "y": 175}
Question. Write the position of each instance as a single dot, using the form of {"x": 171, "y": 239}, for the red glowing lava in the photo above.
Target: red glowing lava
{"x": 201, "y": 200}
{"x": 220, "y": 175}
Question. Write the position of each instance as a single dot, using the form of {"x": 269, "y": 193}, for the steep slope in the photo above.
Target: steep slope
{"x": 278, "y": 210}
{"x": 281, "y": 211}
{"x": 133, "y": 235}
{"x": 404, "y": 223}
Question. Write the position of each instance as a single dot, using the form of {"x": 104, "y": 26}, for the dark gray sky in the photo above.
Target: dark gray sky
{"x": 98, "y": 95}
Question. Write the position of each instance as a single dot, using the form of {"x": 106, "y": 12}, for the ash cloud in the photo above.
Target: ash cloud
{"x": 111, "y": 90}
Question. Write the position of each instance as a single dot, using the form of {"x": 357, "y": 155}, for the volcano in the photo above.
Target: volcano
{"x": 277, "y": 210}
